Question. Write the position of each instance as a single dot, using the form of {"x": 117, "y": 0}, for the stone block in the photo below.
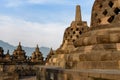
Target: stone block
{"x": 114, "y": 38}
{"x": 97, "y": 65}
{"x": 110, "y": 76}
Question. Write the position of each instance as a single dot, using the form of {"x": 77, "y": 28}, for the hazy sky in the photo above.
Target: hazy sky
{"x": 40, "y": 22}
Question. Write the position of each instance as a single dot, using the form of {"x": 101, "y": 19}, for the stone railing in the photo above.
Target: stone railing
{"x": 8, "y": 76}
{"x": 56, "y": 73}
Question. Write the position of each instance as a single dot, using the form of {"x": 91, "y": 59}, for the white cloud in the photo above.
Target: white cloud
{"x": 39, "y": 1}
{"x": 48, "y": 1}
{"x": 13, "y": 30}
{"x": 16, "y": 3}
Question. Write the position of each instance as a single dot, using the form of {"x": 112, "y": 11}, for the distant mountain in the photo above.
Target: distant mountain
{"x": 29, "y": 50}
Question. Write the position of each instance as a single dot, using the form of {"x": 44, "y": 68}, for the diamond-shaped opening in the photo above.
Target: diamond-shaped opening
{"x": 96, "y": 14}
{"x": 77, "y": 29}
{"x": 111, "y": 4}
{"x": 77, "y": 36}
{"x": 99, "y": 20}
{"x": 82, "y": 28}
{"x": 73, "y": 32}
{"x": 71, "y": 29}
{"x": 111, "y": 19}
{"x": 80, "y": 32}
{"x": 68, "y": 39}
{"x": 68, "y": 32}
{"x": 100, "y": 6}
{"x": 117, "y": 11}
{"x": 105, "y": 12}
{"x": 73, "y": 40}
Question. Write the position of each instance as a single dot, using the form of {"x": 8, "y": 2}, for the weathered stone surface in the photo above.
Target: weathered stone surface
{"x": 95, "y": 48}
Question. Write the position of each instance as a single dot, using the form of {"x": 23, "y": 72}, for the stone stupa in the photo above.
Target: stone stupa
{"x": 97, "y": 47}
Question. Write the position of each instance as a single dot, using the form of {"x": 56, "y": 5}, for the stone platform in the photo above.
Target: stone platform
{"x": 56, "y": 73}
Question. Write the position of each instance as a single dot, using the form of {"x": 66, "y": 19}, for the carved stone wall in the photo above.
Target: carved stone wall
{"x": 105, "y": 12}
